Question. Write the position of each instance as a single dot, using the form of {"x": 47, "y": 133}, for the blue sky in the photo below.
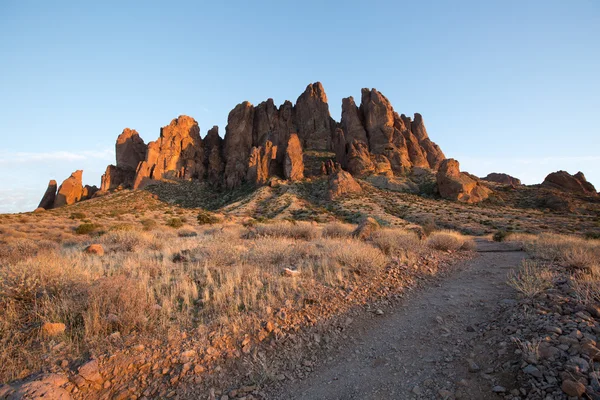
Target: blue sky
{"x": 503, "y": 86}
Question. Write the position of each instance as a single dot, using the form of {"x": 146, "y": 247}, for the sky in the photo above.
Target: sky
{"x": 503, "y": 86}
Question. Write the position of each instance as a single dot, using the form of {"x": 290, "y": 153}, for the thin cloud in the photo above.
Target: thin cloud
{"x": 27, "y": 157}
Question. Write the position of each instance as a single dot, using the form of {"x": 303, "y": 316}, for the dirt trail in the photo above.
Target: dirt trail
{"x": 420, "y": 347}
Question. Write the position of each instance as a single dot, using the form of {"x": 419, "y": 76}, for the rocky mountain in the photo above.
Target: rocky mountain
{"x": 566, "y": 182}
{"x": 503, "y": 179}
{"x": 459, "y": 186}
{"x": 266, "y": 141}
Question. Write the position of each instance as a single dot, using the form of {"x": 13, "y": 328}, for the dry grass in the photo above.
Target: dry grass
{"x": 396, "y": 241}
{"x": 449, "y": 241}
{"x": 231, "y": 276}
{"x": 291, "y": 230}
{"x": 531, "y": 279}
{"x": 571, "y": 251}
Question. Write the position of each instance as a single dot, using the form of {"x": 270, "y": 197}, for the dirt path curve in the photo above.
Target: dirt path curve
{"x": 419, "y": 348}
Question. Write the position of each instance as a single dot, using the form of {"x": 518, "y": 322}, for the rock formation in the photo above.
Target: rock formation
{"x": 293, "y": 167}
{"x": 238, "y": 143}
{"x": 213, "y": 156}
{"x": 566, "y": 182}
{"x": 503, "y": 179}
{"x": 47, "y": 201}
{"x": 259, "y": 163}
{"x": 265, "y": 141}
{"x": 177, "y": 154}
{"x": 313, "y": 122}
{"x": 130, "y": 150}
{"x": 340, "y": 182}
{"x": 72, "y": 190}
{"x": 376, "y": 134}
{"x": 459, "y": 186}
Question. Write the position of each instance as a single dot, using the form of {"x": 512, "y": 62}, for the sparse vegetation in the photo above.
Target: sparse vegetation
{"x": 86, "y": 228}
{"x": 449, "y": 241}
{"x": 531, "y": 279}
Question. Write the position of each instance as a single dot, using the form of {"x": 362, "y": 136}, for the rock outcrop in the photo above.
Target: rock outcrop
{"x": 293, "y": 167}
{"x": 566, "y": 182}
{"x": 503, "y": 179}
{"x": 47, "y": 201}
{"x": 238, "y": 143}
{"x": 459, "y": 186}
{"x": 313, "y": 122}
{"x": 130, "y": 149}
{"x": 265, "y": 141}
{"x": 340, "y": 182}
{"x": 376, "y": 134}
{"x": 177, "y": 154}
{"x": 72, "y": 190}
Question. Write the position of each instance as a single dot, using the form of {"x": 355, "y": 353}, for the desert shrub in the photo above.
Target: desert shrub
{"x": 500, "y": 235}
{"x": 127, "y": 240}
{"x": 449, "y": 241}
{"x": 119, "y": 303}
{"x": 337, "y": 230}
{"x": 531, "y": 278}
{"x": 357, "y": 256}
{"x": 299, "y": 230}
{"x": 86, "y": 228}
{"x": 592, "y": 235}
{"x": 78, "y": 215}
{"x": 207, "y": 218}
{"x": 429, "y": 226}
{"x": 123, "y": 227}
{"x": 393, "y": 241}
{"x": 571, "y": 251}
{"x": 21, "y": 249}
{"x": 175, "y": 222}
{"x": 149, "y": 224}
{"x": 187, "y": 233}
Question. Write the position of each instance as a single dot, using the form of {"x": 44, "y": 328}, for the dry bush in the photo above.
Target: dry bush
{"x": 337, "y": 230}
{"x": 531, "y": 278}
{"x": 128, "y": 240}
{"x": 137, "y": 287}
{"x": 395, "y": 241}
{"x": 21, "y": 249}
{"x": 449, "y": 240}
{"x": 571, "y": 251}
{"x": 298, "y": 230}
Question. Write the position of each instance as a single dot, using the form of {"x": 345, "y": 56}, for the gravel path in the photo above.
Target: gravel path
{"x": 436, "y": 344}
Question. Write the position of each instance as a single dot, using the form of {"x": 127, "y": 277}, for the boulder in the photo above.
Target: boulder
{"x": 96, "y": 249}
{"x": 293, "y": 167}
{"x": 238, "y": 143}
{"x": 51, "y": 329}
{"x": 130, "y": 149}
{"x": 503, "y": 179}
{"x": 312, "y": 119}
{"x": 341, "y": 183}
{"x": 70, "y": 191}
{"x": 563, "y": 181}
{"x": 47, "y": 201}
{"x": 458, "y": 186}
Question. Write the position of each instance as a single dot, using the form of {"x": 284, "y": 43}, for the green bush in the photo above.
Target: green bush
{"x": 206, "y": 218}
{"x": 86, "y": 228}
{"x": 175, "y": 223}
{"x": 500, "y": 236}
{"x": 78, "y": 215}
